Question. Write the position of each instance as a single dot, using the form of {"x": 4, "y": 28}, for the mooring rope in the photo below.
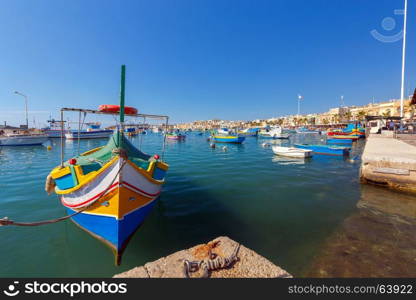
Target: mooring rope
{"x": 6, "y": 221}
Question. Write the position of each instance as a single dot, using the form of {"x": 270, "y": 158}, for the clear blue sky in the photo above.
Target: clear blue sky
{"x": 194, "y": 59}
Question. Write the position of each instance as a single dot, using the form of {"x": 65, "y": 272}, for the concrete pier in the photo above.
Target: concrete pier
{"x": 249, "y": 263}
{"x": 390, "y": 162}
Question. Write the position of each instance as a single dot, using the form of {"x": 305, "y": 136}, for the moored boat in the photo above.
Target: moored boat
{"x": 93, "y": 132}
{"x": 292, "y": 152}
{"x": 249, "y": 132}
{"x": 325, "y": 149}
{"x": 23, "y": 139}
{"x": 236, "y": 139}
{"x": 273, "y": 132}
{"x": 175, "y": 136}
{"x": 108, "y": 191}
{"x": 339, "y": 141}
{"x": 306, "y": 130}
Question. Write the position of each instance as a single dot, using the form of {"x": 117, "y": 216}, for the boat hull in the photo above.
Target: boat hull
{"x": 99, "y": 134}
{"x": 228, "y": 139}
{"x": 339, "y": 141}
{"x": 326, "y": 150}
{"x": 280, "y": 136}
{"x": 23, "y": 140}
{"x": 115, "y": 202}
{"x": 292, "y": 152}
{"x": 176, "y": 137}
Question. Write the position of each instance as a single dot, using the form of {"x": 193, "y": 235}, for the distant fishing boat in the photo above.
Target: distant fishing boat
{"x": 108, "y": 191}
{"x": 325, "y": 149}
{"x": 93, "y": 132}
{"x": 249, "y": 132}
{"x": 175, "y": 136}
{"x": 23, "y": 139}
{"x": 292, "y": 152}
{"x": 236, "y": 139}
{"x": 54, "y": 130}
{"x": 223, "y": 131}
{"x": 273, "y": 132}
{"x": 306, "y": 130}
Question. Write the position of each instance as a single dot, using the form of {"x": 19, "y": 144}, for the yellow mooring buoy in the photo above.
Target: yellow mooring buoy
{"x": 49, "y": 147}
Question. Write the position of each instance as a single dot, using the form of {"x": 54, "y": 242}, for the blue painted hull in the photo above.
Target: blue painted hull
{"x": 236, "y": 140}
{"x": 113, "y": 232}
{"x": 339, "y": 141}
{"x": 325, "y": 149}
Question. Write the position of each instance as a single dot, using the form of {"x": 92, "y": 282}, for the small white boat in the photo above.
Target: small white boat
{"x": 274, "y": 132}
{"x": 292, "y": 152}
{"x": 23, "y": 139}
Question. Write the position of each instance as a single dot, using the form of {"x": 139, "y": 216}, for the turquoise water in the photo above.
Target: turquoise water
{"x": 284, "y": 209}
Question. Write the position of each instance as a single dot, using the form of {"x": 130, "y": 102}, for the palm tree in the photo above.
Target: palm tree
{"x": 361, "y": 115}
{"x": 325, "y": 121}
{"x": 386, "y": 113}
{"x": 348, "y": 116}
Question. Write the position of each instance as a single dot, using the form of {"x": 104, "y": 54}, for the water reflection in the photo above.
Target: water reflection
{"x": 377, "y": 241}
{"x": 289, "y": 160}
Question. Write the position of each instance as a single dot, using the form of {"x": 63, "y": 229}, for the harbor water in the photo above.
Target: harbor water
{"x": 291, "y": 211}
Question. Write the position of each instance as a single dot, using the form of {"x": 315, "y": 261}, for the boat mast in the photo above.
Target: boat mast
{"x": 122, "y": 88}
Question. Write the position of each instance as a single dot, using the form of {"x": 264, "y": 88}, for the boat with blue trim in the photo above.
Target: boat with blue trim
{"x": 236, "y": 139}
{"x": 339, "y": 141}
{"x": 326, "y": 149}
{"x": 249, "y": 132}
{"x": 305, "y": 130}
{"x": 109, "y": 191}
{"x": 93, "y": 131}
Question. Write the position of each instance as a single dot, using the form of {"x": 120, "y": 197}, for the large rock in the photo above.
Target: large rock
{"x": 249, "y": 263}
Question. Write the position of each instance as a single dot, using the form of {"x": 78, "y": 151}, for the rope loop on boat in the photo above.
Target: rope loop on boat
{"x": 6, "y": 221}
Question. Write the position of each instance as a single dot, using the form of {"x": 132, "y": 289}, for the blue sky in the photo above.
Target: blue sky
{"x": 194, "y": 59}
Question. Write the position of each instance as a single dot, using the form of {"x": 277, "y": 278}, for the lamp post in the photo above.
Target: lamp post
{"x": 27, "y": 119}
{"x": 403, "y": 60}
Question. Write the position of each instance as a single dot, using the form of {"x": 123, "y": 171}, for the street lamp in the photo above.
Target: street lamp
{"x": 27, "y": 119}
{"x": 403, "y": 60}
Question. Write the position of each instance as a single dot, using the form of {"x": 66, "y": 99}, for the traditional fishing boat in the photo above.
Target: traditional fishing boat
{"x": 235, "y": 139}
{"x": 292, "y": 152}
{"x": 108, "y": 191}
{"x": 249, "y": 132}
{"x": 273, "y": 132}
{"x": 223, "y": 131}
{"x": 325, "y": 149}
{"x": 175, "y": 136}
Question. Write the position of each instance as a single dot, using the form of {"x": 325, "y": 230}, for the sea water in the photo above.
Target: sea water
{"x": 287, "y": 210}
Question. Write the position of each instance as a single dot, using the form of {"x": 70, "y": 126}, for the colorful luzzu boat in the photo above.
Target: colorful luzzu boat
{"x": 175, "y": 136}
{"x": 325, "y": 149}
{"x": 110, "y": 190}
{"x": 228, "y": 139}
